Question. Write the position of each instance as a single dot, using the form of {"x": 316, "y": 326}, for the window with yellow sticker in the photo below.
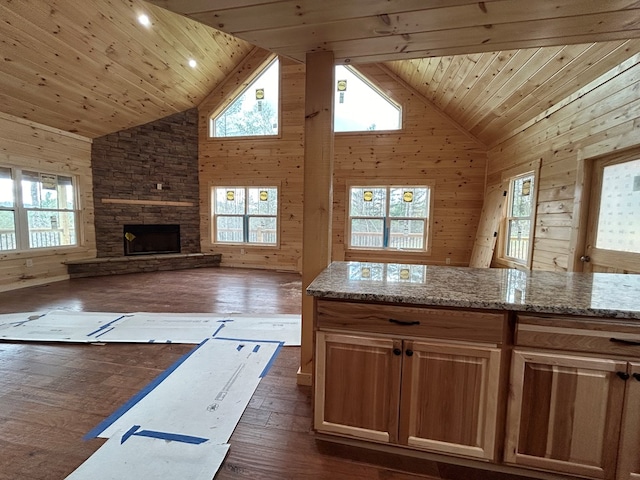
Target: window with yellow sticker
{"x": 389, "y": 217}
{"x": 245, "y": 215}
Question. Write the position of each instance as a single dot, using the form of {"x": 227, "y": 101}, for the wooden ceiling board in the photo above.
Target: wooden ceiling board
{"x": 90, "y": 68}
{"x": 565, "y": 82}
{"x": 492, "y": 94}
{"x": 364, "y": 31}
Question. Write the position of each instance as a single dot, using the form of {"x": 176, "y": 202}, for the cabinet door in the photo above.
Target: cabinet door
{"x": 450, "y": 398}
{"x": 564, "y": 413}
{"x": 629, "y": 461}
{"x": 357, "y": 389}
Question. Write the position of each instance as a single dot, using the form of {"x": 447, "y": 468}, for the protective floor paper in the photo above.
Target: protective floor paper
{"x": 283, "y": 328}
{"x": 143, "y": 327}
{"x": 204, "y": 395}
{"x": 60, "y": 326}
{"x": 147, "y": 454}
{"x": 179, "y": 425}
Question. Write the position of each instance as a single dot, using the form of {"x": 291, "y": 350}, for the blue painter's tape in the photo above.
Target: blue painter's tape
{"x": 151, "y": 341}
{"x": 225, "y": 320}
{"x": 106, "y": 331}
{"x": 250, "y": 340}
{"x": 107, "y": 325}
{"x": 256, "y": 348}
{"x": 107, "y": 422}
{"x": 240, "y": 347}
{"x": 129, "y": 432}
{"x": 218, "y": 330}
{"x": 172, "y": 437}
{"x": 271, "y": 360}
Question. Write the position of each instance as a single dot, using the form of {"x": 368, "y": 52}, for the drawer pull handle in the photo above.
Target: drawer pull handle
{"x": 397, "y": 351}
{"x": 623, "y": 375}
{"x": 409, "y": 353}
{"x": 636, "y": 376}
{"x": 404, "y": 322}
{"x": 625, "y": 342}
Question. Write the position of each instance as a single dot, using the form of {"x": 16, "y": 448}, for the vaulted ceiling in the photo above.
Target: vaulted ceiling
{"x": 90, "y": 68}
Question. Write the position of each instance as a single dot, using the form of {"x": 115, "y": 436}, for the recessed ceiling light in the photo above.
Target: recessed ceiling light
{"x": 144, "y": 20}
{"x": 193, "y": 63}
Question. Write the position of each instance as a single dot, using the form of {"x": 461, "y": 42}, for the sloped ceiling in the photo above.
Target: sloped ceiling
{"x": 492, "y": 95}
{"x": 373, "y": 31}
{"x": 90, "y": 68}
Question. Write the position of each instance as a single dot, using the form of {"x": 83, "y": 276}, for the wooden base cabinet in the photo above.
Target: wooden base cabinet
{"x": 425, "y": 395}
{"x": 357, "y": 386}
{"x": 564, "y": 413}
{"x": 629, "y": 461}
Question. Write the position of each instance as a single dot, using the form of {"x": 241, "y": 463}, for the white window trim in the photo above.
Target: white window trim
{"x": 21, "y": 212}
{"x": 213, "y": 215}
{"x": 375, "y": 183}
{"x": 380, "y": 92}
{"x": 508, "y": 177}
{"x": 240, "y": 90}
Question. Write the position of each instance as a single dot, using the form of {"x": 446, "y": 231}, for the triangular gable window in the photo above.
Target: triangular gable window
{"x": 254, "y": 112}
{"x": 359, "y": 106}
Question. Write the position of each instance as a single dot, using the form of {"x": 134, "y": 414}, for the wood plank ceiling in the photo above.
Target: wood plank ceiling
{"x": 373, "y": 31}
{"x": 90, "y": 68}
{"x": 492, "y": 66}
{"x": 492, "y": 95}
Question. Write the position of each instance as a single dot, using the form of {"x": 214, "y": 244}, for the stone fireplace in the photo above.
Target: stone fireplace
{"x": 147, "y": 177}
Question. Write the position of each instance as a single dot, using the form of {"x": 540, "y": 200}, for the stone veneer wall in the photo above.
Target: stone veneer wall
{"x": 128, "y": 165}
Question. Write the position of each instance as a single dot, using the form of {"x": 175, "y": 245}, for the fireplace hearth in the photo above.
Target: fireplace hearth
{"x": 151, "y": 239}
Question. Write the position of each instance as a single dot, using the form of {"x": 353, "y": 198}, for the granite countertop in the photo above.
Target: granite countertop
{"x": 598, "y": 294}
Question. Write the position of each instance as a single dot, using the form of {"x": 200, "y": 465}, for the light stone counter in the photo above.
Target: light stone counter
{"x": 598, "y": 294}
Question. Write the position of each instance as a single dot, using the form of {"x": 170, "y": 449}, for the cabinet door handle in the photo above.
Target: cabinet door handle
{"x": 404, "y": 322}
{"x": 636, "y": 376}
{"x": 397, "y": 351}
{"x": 409, "y": 352}
{"x": 623, "y": 375}
{"x": 625, "y": 342}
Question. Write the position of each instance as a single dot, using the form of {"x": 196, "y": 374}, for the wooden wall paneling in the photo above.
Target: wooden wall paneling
{"x": 29, "y": 145}
{"x": 430, "y": 147}
{"x": 248, "y": 161}
{"x": 606, "y": 116}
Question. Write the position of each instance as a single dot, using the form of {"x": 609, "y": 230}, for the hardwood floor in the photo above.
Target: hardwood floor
{"x": 51, "y": 395}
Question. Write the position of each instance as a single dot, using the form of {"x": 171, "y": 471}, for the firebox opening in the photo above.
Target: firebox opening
{"x": 151, "y": 239}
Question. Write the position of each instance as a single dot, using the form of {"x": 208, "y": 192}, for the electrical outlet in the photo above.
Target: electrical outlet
{"x": 242, "y": 251}
{"x": 447, "y": 261}
{"x": 29, "y": 262}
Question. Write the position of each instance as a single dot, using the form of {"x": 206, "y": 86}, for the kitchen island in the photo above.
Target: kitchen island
{"x": 529, "y": 372}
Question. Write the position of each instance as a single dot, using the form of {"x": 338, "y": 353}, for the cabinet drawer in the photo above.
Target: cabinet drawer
{"x": 581, "y": 334}
{"x": 412, "y": 321}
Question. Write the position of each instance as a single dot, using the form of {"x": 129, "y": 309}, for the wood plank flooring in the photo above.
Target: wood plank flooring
{"x": 51, "y": 395}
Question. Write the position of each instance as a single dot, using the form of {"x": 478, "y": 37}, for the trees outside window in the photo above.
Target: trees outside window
{"x": 389, "y": 217}
{"x": 245, "y": 215}
{"x": 254, "y": 112}
{"x": 37, "y": 210}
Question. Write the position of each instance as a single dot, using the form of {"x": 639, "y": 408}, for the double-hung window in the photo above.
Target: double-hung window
{"x": 245, "y": 215}
{"x": 518, "y": 224}
{"x": 37, "y": 210}
{"x": 389, "y": 217}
